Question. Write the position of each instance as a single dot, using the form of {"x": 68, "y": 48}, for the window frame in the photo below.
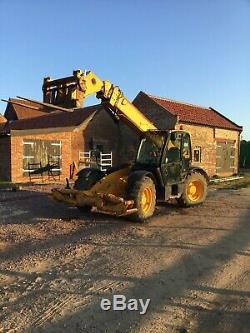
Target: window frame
{"x": 197, "y": 148}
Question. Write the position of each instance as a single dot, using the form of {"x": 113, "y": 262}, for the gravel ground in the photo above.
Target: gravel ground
{"x": 56, "y": 265}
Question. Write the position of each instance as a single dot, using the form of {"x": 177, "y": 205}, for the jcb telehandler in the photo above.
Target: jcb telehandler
{"x": 162, "y": 169}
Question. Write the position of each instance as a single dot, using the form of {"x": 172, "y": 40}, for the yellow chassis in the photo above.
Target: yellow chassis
{"x": 107, "y": 195}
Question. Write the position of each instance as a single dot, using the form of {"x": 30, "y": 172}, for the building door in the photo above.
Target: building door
{"x": 225, "y": 157}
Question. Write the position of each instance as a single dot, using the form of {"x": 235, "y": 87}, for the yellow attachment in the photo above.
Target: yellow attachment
{"x": 146, "y": 199}
{"x": 106, "y": 195}
{"x": 125, "y": 109}
{"x": 114, "y": 183}
{"x": 89, "y": 84}
{"x": 114, "y": 98}
{"x": 195, "y": 190}
{"x": 74, "y": 89}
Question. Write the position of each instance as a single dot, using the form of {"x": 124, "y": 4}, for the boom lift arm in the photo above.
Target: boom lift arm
{"x": 84, "y": 84}
{"x": 162, "y": 169}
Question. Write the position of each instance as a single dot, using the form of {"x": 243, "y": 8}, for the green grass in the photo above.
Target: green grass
{"x": 233, "y": 184}
{"x": 5, "y": 185}
{"x": 4, "y": 182}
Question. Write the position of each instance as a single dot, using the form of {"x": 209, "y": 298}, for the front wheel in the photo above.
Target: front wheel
{"x": 143, "y": 192}
{"x": 194, "y": 191}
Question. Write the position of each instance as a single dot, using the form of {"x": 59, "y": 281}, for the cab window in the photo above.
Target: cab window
{"x": 174, "y": 147}
{"x": 186, "y": 149}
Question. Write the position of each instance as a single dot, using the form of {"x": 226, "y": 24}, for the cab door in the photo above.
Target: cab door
{"x": 186, "y": 154}
{"x": 176, "y": 158}
{"x": 171, "y": 163}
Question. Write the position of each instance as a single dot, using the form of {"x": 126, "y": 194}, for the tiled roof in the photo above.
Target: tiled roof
{"x": 53, "y": 120}
{"x": 27, "y": 110}
{"x": 157, "y": 114}
{"x": 195, "y": 114}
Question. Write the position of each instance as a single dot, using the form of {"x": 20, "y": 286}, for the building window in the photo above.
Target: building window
{"x": 232, "y": 156}
{"x": 42, "y": 152}
{"x": 197, "y": 154}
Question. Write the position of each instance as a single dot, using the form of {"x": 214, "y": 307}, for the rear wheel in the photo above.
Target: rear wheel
{"x": 195, "y": 190}
{"x": 143, "y": 192}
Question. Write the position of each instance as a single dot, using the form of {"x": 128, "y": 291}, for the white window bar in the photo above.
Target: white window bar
{"x": 28, "y": 143}
{"x": 56, "y": 144}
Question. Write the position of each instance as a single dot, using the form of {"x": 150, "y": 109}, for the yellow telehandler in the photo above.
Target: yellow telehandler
{"x": 162, "y": 169}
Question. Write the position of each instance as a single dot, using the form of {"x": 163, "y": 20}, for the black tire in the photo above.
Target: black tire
{"x": 194, "y": 191}
{"x": 84, "y": 209}
{"x": 87, "y": 177}
{"x": 139, "y": 191}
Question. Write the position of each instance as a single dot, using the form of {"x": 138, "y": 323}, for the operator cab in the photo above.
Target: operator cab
{"x": 161, "y": 147}
{"x": 151, "y": 148}
{"x": 167, "y": 155}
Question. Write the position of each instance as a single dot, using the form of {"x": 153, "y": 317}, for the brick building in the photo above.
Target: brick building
{"x": 20, "y": 109}
{"x": 215, "y": 138}
{"x": 34, "y": 134}
{"x": 58, "y": 135}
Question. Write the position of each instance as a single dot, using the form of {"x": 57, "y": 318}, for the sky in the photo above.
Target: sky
{"x": 196, "y": 51}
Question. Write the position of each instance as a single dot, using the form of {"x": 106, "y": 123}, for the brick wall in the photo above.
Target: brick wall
{"x": 205, "y": 137}
{"x": 17, "y": 138}
{"x": 233, "y": 136}
{"x": 114, "y": 136}
{"x": 5, "y": 159}
{"x": 129, "y": 142}
{"x": 103, "y": 130}
{"x": 77, "y": 145}
{"x": 201, "y": 136}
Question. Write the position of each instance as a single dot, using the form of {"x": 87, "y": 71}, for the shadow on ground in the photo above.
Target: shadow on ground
{"x": 165, "y": 288}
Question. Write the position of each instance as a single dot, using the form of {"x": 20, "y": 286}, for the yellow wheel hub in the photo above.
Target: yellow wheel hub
{"x": 195, "y": 190}
{"x": 146, "y": 199}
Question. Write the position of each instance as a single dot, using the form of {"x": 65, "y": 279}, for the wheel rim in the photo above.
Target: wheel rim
{"x": 195, "y": 190}
{"x": 146, "y": 199}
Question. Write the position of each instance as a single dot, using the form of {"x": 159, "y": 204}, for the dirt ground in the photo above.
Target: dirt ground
{"x": 56, "y": 264}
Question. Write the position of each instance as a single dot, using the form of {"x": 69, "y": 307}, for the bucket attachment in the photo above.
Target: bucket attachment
{"x": 107, "y": 195}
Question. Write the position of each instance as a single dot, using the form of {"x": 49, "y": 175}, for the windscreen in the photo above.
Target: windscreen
{"x": 150, "y": 150}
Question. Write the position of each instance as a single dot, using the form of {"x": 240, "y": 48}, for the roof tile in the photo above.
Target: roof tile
{"x": 195, "y": 114}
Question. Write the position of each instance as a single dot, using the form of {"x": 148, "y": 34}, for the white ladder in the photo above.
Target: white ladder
{"x": 106, "y": 161}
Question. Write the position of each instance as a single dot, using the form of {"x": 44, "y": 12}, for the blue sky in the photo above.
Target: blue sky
{"x": 196, "y": 50}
